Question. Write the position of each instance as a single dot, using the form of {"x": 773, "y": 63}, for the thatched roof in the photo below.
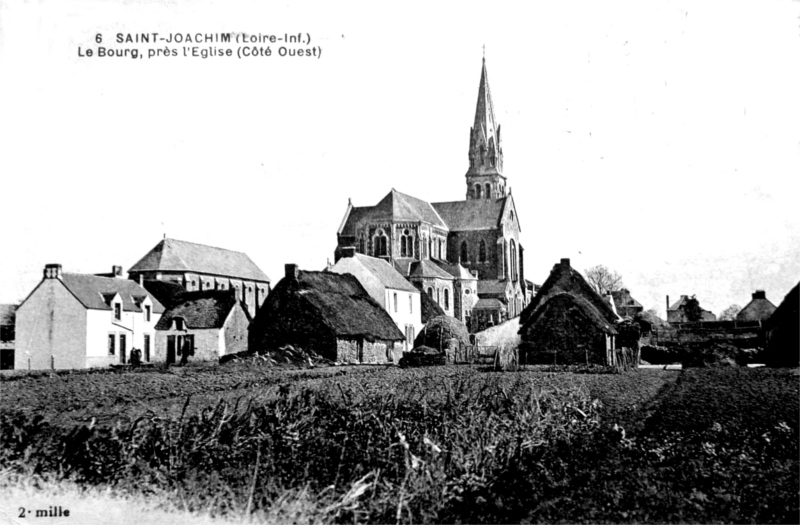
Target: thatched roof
{"x": 338, "y": 301}
{"x": 758, "y": 309}
{"x": 204, "y": 309}
{"x": 439, "y": 330}
{"x": 430, "y": 308}
{"x": 564, "y": 278}
{"x": 565, "y": 301}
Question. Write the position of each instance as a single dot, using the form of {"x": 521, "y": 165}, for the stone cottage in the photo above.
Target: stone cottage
{"x": 330, "y": 314}
{"x": 204, "y": 325}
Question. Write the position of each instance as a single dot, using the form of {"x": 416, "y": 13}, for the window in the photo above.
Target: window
{"x": 477, "y": 191}
{"x": 117, "y": 311}
{"x": 395, "y": 302}
{"x": 410, "y": 303}
{"x": 488, "y": 191}
{"x": 361, "y": 245}
{"x": 446, "y": 299}
{"x": 381, "y": 244}
{"x": 7, "y": 333}
{"x": 147, "y": 309}
{"x": 441, "y": 251}
{"x": 482, "y": 252}
{"x": 513, "y": 261}
{"x": 147, "y": 347}
{"x": 112, "y": 344}
{"x": 430, "y": 293}
{"x": 464, "y": 252}
{"x": 178, "y": 324}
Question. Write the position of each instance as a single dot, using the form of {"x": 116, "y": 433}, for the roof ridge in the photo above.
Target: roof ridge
{"x": 203, "y": 245}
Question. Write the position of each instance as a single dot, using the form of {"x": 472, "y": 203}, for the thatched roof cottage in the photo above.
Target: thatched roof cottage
{"x": 567, "y": 322}
{"x": 328, "y": 313}
{"x": 783, "y": 332}
{"x": 758, "y": 309}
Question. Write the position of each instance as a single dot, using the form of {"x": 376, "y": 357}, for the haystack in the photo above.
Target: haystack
{"x": 443, "y": 332}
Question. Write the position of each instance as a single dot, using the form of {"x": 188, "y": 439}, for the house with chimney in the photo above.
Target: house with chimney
{"x": 202, "y": 326}
{"x": 73, "y": 320}
{"x": 197, "y": 267}
{"x": 624, "y": 304}
{"x": 567, "y": 322}
{"x": 400, "y": 299}
{"x": 676, "y": 312}
{"x": 758, "y": 309}
{"x": 330, "y": 314}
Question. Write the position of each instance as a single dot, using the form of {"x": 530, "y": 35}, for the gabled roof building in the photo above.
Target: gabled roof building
{"x": 388, "y": 287}
{"x": 567, "y": 322}
{"x": 198, "y": 267}
{"x": 328, "y": 313}
{"x": 758, "y": 309}
{"x": 204, "y": 325}
{"x": 75, "y": 320}
{"x": 480, "y": 233}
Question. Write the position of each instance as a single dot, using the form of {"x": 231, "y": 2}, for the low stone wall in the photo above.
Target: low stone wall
{"x": 739, "y": 334}
{"x": 352, "y": 351}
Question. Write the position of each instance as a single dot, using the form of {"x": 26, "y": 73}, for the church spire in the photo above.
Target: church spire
{"x": 485, "y": 147}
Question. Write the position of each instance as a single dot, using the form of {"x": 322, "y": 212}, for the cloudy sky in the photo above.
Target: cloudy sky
{"x": 661, "y": 139}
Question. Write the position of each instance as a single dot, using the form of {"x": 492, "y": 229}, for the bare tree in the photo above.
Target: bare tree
{"x": 729, "y": 314}
{"x": 603, "y": 280}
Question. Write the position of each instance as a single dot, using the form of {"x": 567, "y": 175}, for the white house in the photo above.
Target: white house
{"x": 388, "y": 287}
{"x": 75, "y": 320}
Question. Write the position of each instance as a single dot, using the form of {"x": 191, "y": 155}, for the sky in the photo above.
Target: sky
{"x": 660, "y": 139}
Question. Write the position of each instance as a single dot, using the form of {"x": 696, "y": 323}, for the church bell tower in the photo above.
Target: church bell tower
{"x": 485, "y": 178}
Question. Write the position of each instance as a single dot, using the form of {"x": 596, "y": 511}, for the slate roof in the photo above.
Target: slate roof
{"x": 468, "y": 215}
{"x": 182, "y": 256}
{"x": 489, "y": 304}
{"x": 456, "y": 270}
{"x": 202, "y": 309}
{"x": 8, "y": 314}
{"x": 394, "y": 207}
{"x": 492, "y": 286}
{"x": 403, "y": 265}
{"x": 340, "y": 301}
{"x": 426, "y": 268}
{"x": 91, "y": 289}
{"x": 167, "y": 293}
{"x": 375, "y": 275}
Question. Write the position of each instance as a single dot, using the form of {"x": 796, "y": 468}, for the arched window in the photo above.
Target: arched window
{"x": 381, "y": 244}
{"x": 441, "y": 252}
{"x": 477, "y": 191}
{"x": 446, "y": 299}
{"x": 430, "y": 248}
{"x": 513, "y": 261}
{"x": 361, "y": 245}
{"x": 430, "y": 293}
{"x": 464, "y": 252}
{"x": 488, "y": 191}
{"x": 482, "y": 252}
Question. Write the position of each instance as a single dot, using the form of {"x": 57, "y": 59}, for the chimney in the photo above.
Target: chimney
{"x": 291, "y": 272}
{"x": 52, "y": 271}
{"x": 348, "y": 251}
{"x": 759, "y": 294}
{"x": 116, "y": 271}
{"x": 565, "y": 263}
{"x": 668, "y": 303}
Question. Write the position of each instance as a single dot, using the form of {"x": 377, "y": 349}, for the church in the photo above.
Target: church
{"x": 466, "y": 254}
